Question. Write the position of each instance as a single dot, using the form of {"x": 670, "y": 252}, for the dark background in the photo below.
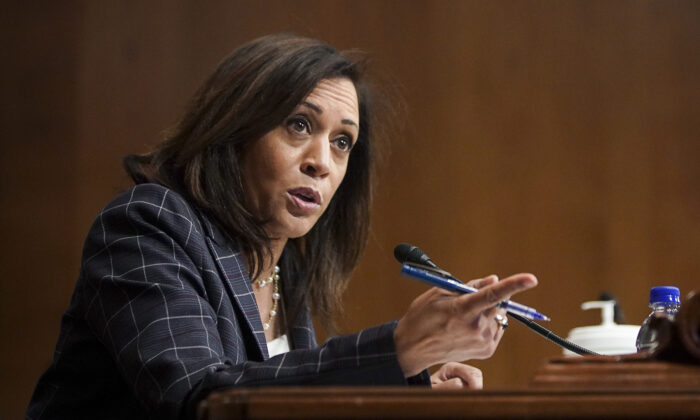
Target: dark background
{"x": 555, "y": 137}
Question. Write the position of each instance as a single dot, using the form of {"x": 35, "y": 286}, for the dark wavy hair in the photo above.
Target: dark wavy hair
{"x": 251, "y": 92}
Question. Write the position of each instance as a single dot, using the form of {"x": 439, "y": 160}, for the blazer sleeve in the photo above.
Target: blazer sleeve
{"x": 145, "y": 300}
{"x": 364, "y": 358}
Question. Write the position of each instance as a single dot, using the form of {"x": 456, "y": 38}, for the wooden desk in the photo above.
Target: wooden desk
{"x": 634, "y": 386}
{"x": 414, "y": 403}
{"x": 591, "y": 387}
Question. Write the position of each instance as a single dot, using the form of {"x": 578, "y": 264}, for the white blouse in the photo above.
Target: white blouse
{"x": 278, "y": 346}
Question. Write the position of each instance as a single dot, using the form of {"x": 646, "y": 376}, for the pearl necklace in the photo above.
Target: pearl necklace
{"x": 274, "y": 279}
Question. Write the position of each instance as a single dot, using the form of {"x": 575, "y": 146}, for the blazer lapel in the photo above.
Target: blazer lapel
{"x": 302, "y": 334}
{"x": 237, "y": 283}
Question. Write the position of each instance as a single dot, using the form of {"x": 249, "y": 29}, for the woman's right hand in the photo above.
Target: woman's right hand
{"x": 442, "y": 326}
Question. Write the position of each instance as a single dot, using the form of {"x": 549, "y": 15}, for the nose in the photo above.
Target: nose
{"x": 316, "y": 159}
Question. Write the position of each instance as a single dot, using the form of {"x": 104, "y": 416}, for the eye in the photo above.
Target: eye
{"x": 299, "y": 124}
{"x": 344, "y": 143}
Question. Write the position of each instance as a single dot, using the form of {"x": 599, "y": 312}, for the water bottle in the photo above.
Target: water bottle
{"x": 665, "y": 301}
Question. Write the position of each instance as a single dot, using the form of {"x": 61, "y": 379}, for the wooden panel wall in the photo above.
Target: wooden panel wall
{"x": 39, "y": 231}
{"x": 559, "y": 138}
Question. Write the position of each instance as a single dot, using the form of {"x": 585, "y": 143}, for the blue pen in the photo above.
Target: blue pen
{"x": 454, "y": 285}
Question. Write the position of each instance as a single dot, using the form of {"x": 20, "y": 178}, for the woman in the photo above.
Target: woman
{"x": 253, "y": 210}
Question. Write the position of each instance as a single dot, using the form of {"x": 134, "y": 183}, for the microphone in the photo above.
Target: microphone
{"x": 408, "y": 253}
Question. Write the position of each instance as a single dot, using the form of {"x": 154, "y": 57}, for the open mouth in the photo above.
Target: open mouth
{"x": 305, "y": 198}
{"x": 307, "y": 195}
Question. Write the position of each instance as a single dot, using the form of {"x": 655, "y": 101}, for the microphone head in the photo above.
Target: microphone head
{"x": 408, "y": 253}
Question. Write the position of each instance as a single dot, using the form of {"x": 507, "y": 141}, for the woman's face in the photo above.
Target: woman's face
{"x": 292, "y": 172}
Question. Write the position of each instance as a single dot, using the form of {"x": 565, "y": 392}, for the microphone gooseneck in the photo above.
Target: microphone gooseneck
{"x": 549, "y": 335}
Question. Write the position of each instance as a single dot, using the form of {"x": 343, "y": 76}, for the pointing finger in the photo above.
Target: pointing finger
{"x": 488, "y": 296}
{"x": 479, "y": 283}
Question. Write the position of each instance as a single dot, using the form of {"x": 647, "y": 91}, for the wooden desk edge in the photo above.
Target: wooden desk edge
{"x": 414, "y": 403}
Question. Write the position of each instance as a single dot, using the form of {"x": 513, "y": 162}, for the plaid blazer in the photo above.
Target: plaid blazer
{"x": 163, "y": 313}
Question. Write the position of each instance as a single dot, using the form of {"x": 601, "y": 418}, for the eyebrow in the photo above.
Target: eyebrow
{"x": 318, "y": 110}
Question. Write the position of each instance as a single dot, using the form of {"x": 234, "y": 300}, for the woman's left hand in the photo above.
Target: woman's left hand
{"x": 457, "y": 376}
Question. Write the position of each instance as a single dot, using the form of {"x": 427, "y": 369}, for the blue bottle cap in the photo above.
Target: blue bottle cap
{"x": 664, "y": 294}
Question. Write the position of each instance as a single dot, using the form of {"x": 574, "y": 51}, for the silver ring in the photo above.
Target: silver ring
{"x": 501, "y": 321}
